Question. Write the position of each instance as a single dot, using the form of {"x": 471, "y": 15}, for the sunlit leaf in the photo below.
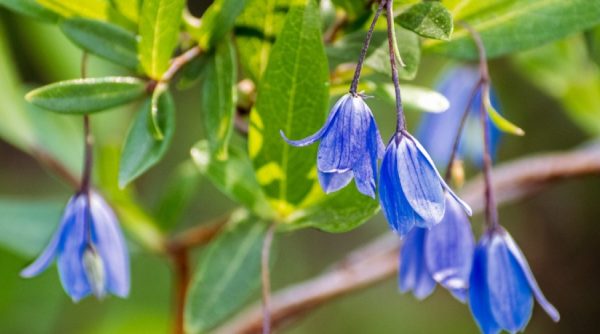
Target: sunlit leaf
{"x": 500, "y": 122}
{"x": 30, "y": 8}
{"x": 218, "y": 20}
{"x": 429, "y": 19}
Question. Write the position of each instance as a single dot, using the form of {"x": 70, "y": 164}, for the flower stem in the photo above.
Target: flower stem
{"x": 363, "y": 52}
{"x": 401, "y": 121}
{"x": 87, "y": 138}
{"x": 266, "y": 280}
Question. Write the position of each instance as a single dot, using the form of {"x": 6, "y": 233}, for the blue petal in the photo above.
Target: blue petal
{"x": 70, "y": 256}
{"x": 420, "y": 182}
{"x": 521, "y": 262}
{"x": 313, "y": 138}
{"x": 449, "y": 248}
{"x": 109, "y": 242}
{"x": 44, "y": 260}
{"x": 479, "y": 295}
{"x": 413, "y": 270}
{"x": 334, "y": 181}
{"x": 511, "y": 301}
{"x": 365, "y": 169}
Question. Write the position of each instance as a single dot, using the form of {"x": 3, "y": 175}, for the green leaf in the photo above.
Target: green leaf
{"x": 592, "y": 38}
{"x": 255, "y": 32}
{"x": 103, "y": 39}
{"x": 94, "y": 9}
{"x": 509, "y": 26}
{"x": 292, "y": 97}
{"x": 227, "y": 276}
{"x": 500, "y": 122}
{"x": 181, "y": 187}
{"x": 159, "y": 33}
{"x": 234, "y": 177}
{"x": 415, "y": 97}
{"x": 26, "y": 226}
{"x": 82, "y": 96}
{"x": 141, "y": 149}
{"x": 429, "y": 19}
{"x": 218, "y": 20}
{"x": 30, "y": 8}
{"x": 128, "y": 8}
{"x": 353, "y": 8}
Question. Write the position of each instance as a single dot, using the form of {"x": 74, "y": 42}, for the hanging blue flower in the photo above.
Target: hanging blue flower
{"x": 437, "y": 131}
{"x": 442, "y": 254}
{"x": 90, "y": 250}
{"x": 411, "y": 191}
{"x": 502, "y": 285}
{"x": 350, "y": 146}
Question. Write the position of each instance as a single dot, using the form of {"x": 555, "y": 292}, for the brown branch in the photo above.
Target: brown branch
{"x": 378, "y": 260}
{"x": 181, "y": 268}
{"x": 196, "y": 236}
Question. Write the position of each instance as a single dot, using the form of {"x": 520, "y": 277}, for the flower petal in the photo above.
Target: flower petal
{"x": 109, "y": 242}
{"x": 479, "y": 295}
{"x": 413, "y": 270}
{"x": 365, "y": 169}
{"x": 334, "y": 181}
{"x": 520, "y": 260}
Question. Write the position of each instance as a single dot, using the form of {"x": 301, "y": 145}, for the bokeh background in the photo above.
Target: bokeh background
{"x": 557, "y": 228}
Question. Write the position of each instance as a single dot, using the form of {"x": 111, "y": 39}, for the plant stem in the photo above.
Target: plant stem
{"x": 88, "y": 139}
{"x": 266, "y": 280}
{"x": 363, "y": 52}
{"x": 182, "y": 279}
{"x": 400, "y": 121}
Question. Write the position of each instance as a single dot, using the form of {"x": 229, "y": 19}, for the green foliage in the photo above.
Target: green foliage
{"x": 292, "y": 97}
{"x": 142, "y": 149}
{"x": 30, "y": 8}
{"x": 218, "y": 20}
{"x": 218, "y": 97}
{"x": 592, "y": 38}
{"x": 415, "y": 97}
{"x": 227, "y": 274}
{"x": 83, "y": 96}
{"x": 159, "y": 32}
{"x": 102, "y": 39}
{"x": 94, "y": 9}
{"x": 429, "y": 19}
{"x": 181, "y": 187}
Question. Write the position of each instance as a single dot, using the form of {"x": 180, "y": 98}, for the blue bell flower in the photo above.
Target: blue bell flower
{"x": 502, "y": 286}
{"x": 350, "y": 146}
{"x": 90, "y": 250}
{"x": 442, "y": 254}
{"x": 437, "y": 131}
{"x": 411, "y": 191}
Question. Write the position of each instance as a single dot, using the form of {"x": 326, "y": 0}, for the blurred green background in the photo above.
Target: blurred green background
{"x": 557, "y": 228}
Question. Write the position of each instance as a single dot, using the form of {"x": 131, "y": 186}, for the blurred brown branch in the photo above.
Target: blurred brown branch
{"x": 377, "y": 261}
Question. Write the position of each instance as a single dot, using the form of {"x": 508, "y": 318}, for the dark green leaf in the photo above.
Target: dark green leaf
{"x": 181, "y": 187}
{"x": 30, "y": 8}
{"x": 353, "y": 8}
{"x": 429, "y": 19}
{"x": 141, "y": 149}
{"x": 234, "y": 177}
{"x": 103, "y": 39}
{"x": 82, "y": 96}
{"x": 228, "y": 274}
{"x": 509, "y": 26}
{"x": 159, "y": 33}
{"x": 292, "y": 97}
{"x": 218, "y": 98}
{"x": 218, "y": 20}
{"x": 592, "y": 38}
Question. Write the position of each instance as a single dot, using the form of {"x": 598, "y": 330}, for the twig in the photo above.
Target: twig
{"x": 198, "y": 235}
{"x": 181, "y": 268}
{"x": 378, "y": 260}
{"x": 179, "y": 61}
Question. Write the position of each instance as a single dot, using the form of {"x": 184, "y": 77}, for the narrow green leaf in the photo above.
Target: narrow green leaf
{"x": 218, "y": 98}
{"x": 94, "y": 9}
{"x": 218, "y": 20}
{"x": 82, "y": 96}
{"x": 181, "y": 187}
{"x": 292, "y": 97}
{"x": 30, "y": 8}
{"x": 159, "y": 32}
{"x": 429, "y": 19}
{"x": 509, "y": 26}
{"x": 103, "y": 39}
{"x": 415, "y": 97}
{"x": 592, "y": 38}
{"x": 228, "y": 274}
{"x": 500, "y": 122}
{"x": 141, "y": 149}
{"x": 234, "y": 177}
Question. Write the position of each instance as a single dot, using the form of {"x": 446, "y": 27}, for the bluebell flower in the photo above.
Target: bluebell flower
{"x": 350, "y": 146}
{"x": 437, "y": 131}
{"x": 502, "y": 285}
{"x": 90, "y": 250}
{"x": 411, "y": 191}
{"x": 442, "y": 254}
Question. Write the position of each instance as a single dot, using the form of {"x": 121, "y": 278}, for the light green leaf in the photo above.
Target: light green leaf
{"x": 415, "y": 97}
{"x": 159, "y": 33}
{"x": 82, "y": 96}
{"x": 218, "y": 20}
{"x": 128, "y": 8}
{"x": 509, "y": 26}
{"x": 500, "y": 122}
{"x": 228, "y": 274}
{"x": 234, "y": 177}
{"x": 218, "y": 97}
{"x": 292, "y": 97}
{"x": 93, "y": 9}
{"x": 181, "y": 187}
{"x": 30, "y": 8}
{"x": 103, "y": 39}
{"x": 255, "y": 32}
{"x": 429, "y": 19}
{"x": 141, "y": 149}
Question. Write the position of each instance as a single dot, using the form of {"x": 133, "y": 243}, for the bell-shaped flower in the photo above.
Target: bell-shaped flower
{"x": 411, "y": 191}
{"x": 502, "y": 286}
{"x": 438, "y": 130}
{"x": 350, "y": 146}
{"x": 442, "y": 254}
{"x": 89, "y": 248}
